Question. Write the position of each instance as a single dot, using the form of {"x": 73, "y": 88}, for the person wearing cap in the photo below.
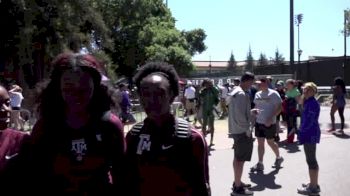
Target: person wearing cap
{"x": 77, "y": 145}
{"x": 236, "y": 81}
{"x": 269, "y": 80}
{"x": 309, "y": 137}
{"x": 280, "y": 89}
{"x": 268, "y": 105}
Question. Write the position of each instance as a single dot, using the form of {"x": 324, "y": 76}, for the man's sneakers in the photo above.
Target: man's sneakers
{"x": 278, "y": 162}
{"x": 242, "y": 184}
{"x": 238, "y": 191}
{"x": 306, "y": 189}
{"x": 259, "y": 167}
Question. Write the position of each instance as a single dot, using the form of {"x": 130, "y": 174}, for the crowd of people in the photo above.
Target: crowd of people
{"x": 78, "y": 145}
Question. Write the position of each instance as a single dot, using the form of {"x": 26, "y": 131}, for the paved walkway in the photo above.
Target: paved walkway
{"x": 332, "y": 154}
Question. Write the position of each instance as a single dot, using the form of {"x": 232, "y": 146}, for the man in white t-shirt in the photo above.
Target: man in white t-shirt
{"x": 268, "y": 105}
{"x": 16, "y": 102}
{"x": 190, "y": 104}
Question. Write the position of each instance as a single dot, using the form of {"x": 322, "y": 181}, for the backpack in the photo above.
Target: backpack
{"x": 180, "y": 155}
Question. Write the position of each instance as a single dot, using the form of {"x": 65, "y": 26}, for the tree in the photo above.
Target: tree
{"x": 279, "y": 59}
{"x": 195, "y": 38}
{"x": 231, "y": 66}
{"x": 250, "y": 61}
{"x": 38, "y": 30}
{"x": 262, "y": 60}
{"x": 145, "y": 31}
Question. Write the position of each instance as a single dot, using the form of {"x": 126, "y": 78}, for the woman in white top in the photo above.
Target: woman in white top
{"x": 16, "y": 102}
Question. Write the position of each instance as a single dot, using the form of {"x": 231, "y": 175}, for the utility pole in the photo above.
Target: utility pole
{"x": 166, "y": 3}
{"x": 209, "y": 66}
{"x": 345, "y": 35}
{"x": 291, "y": 60}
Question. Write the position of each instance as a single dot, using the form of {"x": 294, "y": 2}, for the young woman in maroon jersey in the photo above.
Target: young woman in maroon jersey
{"x": 166, "y": 156}
{"x": 77, "y": 145}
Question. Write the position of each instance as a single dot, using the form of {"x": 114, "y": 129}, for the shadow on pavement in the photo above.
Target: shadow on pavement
{"x": 291, "y": 148}
{"x": 264, "y": 181}
{"x": 341, "y": 135}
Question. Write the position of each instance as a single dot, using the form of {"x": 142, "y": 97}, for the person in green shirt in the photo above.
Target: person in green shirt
{"x": 292, "y": 99}
{"x": 209, "y": 97}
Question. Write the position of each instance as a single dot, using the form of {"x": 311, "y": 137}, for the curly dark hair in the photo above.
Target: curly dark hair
{"x": 164, "y": 69}
{"x": 50, "y": 104}
{"x": 338, "y": 81}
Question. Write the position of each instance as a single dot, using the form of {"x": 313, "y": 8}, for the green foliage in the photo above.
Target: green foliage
{"x": 231, "y": 66}
{"x": 146, "y": 32}
{"x": 108, "y": 66}
{"x": 249, "y": 61}
{"x": 262, "y": 60}
{"x": 279, "y": 59}
{"x": 195, "y": 38}
{"x": 127, "y": 32}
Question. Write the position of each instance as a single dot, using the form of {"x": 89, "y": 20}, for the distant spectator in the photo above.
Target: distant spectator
{"x": 16, "y": 102}
{"x": 291, "y": 101}
{"x": 269, "y": 81}
{"x": 224, "y": 90}
{"x": 190, "y": 100}
{"x": 125, "y": 105}
{"x": 210, "y": 98}
{"x": 338, "y": 102}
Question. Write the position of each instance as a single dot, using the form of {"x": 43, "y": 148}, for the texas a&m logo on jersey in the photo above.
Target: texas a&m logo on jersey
{"x": 79, "y": 148}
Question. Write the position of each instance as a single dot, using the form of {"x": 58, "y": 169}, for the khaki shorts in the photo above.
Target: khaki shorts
{"x": 191, "y": 105}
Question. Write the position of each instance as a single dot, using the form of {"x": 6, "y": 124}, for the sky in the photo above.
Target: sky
{"x": 233, "y": 25}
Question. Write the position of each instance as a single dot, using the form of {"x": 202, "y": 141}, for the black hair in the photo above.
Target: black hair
{"x": 50, "y": 104}
{"x": 165, "y": 69}
{"x": 247, "y": 76}
{"x": 338, "y": 81}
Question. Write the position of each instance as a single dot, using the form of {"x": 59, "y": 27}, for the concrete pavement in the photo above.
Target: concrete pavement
{"x": 332, "y": 154}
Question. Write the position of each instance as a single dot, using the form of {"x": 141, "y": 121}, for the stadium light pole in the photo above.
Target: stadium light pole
{"x": 291, "y": 24}
{"x": 299, "y": 19}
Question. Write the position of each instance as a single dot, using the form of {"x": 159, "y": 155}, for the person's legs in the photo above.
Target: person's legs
{"x": 311, "y": 188}
{"x": 238, "y": 170}
{"x": 310, "y": 153}
{"x": 341, "y": 115}
{"x": 242, "y": 152}
{"x": 333, "y": 110}
{"x": 274, "y": 147}
{"x": 205, "y": 122}
{"x": 290, "y": 127}
{"x": 15, "y": 114}
{"x": 261, "y": 149}
{"x": 20, "y": 121}
{"x": 211, "y": 127}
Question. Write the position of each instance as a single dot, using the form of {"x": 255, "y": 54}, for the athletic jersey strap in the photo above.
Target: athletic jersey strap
{"x": 182, "y": 128}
